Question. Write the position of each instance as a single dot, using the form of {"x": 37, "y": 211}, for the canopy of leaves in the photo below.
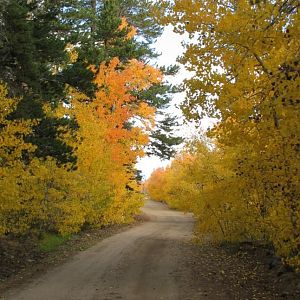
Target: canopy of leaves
{"x": 246, "y": 60}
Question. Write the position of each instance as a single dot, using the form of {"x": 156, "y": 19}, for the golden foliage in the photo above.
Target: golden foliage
{"x": 245, "y": 59}
{"x": 131, "y": 29}
{"x": 40, "y": 195}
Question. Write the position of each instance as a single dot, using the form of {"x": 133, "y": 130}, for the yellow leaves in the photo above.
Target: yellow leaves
{"x": 246, "y": 70}
{"x": 238, "y": 40}
{"x": 7, "y": 104}
{"x": 155, "y": 185}
{"x": 71, "y": 217}
{"x": 72, "y": 53}
{"x": 131, "y": 29}
{"x": 243, "y": 190}
{"x": 12, "y": 144}
{"x": 32, "y": 196}
{"x": 146, "y": 112}
{"x": 107, "y": 144}
{"x": 41, "y": 195}
{"x": 117, "y": 105}
{"x": 141, "y": 76}
{"x": 117, "y": 79}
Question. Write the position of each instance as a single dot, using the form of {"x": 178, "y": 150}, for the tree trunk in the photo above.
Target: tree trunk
{"x": 94, "y": 10}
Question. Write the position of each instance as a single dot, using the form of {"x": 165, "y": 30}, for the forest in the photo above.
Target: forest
{"x": 82, "y": 99}
{"x": 242, "y": 181}
{"x": 79, "y": 100}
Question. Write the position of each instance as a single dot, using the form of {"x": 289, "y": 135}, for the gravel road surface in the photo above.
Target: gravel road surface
{"x": 142, "y": 263}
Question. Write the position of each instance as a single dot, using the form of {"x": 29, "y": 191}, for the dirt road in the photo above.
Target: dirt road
{"x": 156, "y": 260}
{"x": 142, "y": 263}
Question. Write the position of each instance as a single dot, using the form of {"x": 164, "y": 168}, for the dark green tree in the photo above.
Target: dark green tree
{"x": 98, "y": 38}
{"x": 31, "y": 56}
{"x": 34, "y": 63}
{"x": 163, "y": 140}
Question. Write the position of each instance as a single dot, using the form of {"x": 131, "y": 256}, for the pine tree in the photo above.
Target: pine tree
{"x": 100, "y": 38}
{"x": 31, "y": 59}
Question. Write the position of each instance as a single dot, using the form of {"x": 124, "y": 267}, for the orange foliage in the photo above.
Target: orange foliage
{"x": 131, "y": 29}
{"x": 155, "y": 185}
{"x": 110, "y": 140}
{"x": 117, "y": 106}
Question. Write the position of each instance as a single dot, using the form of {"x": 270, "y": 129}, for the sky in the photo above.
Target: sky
{"x": 169, "y": 45}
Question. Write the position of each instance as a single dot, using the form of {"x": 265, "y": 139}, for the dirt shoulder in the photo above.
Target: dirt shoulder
{"x": 21, "y": 259}
{"x": 238, "y": 272}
